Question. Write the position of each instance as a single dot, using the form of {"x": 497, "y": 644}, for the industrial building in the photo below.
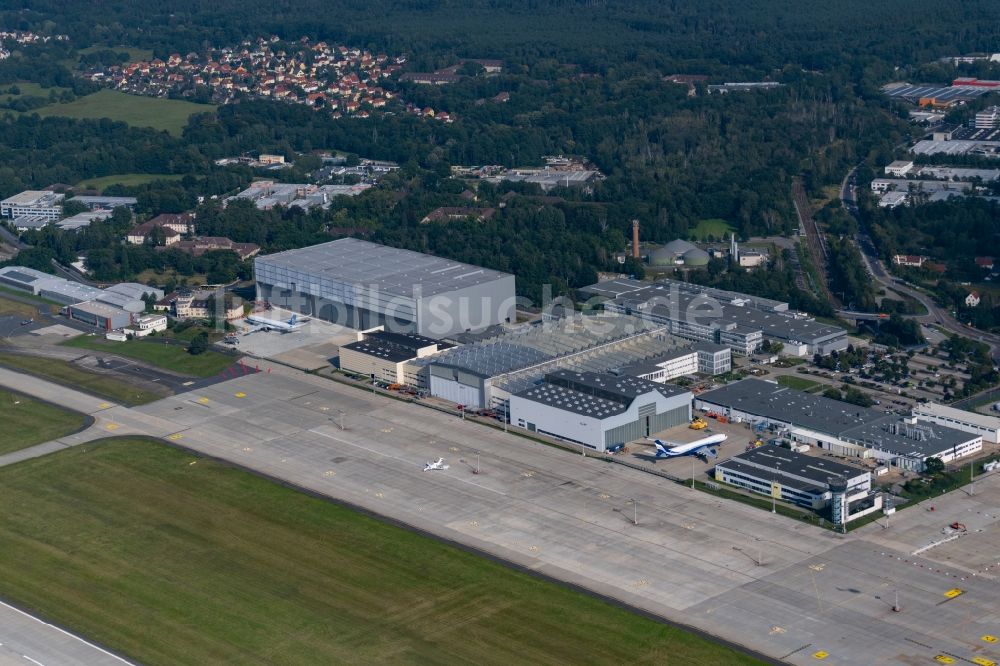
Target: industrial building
{"x": 704, "y": 358}
{"x": 363, "y": 285}
{"x": 814, "y": 483}
{"x": 33, "y": 203}
{"x": 978, "y": 424}
{"x": 705, "y": 314}
{"x": 384, "y": 355}
{"x": 99, "y": 315}
{"x": 46, "y": 285}
{"x": 599, "y": 411}
{"x": 266, "y": 194}
{"x": 484, "y": 372}
{"x": 843, "y": 429}
{"x": 81, "y": 220}
{"x": 106, "y": 203}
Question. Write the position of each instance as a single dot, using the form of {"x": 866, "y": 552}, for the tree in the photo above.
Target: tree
{"x": 199, "y": 344}
{"x": 933, "y": 466}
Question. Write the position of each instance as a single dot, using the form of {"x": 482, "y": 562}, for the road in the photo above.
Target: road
{"x": 935, "y": 313}
{"x": 772, "y": 584}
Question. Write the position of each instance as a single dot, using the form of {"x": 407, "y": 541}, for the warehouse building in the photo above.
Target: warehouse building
{"x": 599, "y": 411}
{"x": 738, "y": 321}
{"x": 807, "y": 481}
{"x": 106, "y": 203}
{"x": 99, "y": 315}
{"x": 384, "y": 355}
{"x": 839, "y": 427}
{"x": 978, "y": 424}
{"x": 484, "y": 372}
{"x": 363, "y": 285}
{"x": 46, "y": 285}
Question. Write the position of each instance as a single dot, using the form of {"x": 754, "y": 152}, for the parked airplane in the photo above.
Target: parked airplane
{"x": 437, "y": 464}
{"x": 703, "y": 448}
{"x": 261, "y": 323}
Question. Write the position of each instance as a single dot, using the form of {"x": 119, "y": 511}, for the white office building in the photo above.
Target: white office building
{"x": 33, "y": 204}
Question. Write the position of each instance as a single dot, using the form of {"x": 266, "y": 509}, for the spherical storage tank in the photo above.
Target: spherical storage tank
{"x": 670, "y": 254}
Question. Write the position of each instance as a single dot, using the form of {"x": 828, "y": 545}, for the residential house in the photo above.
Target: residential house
{"x": 972, "y": 300}
{"x": 908, "y": 260}
{"x": 446, "y": 213}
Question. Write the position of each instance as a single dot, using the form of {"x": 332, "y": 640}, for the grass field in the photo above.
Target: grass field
{"x": 162, "y": 114}
{"x": 27, "y": 422}
{"x": 173, "y": 559}
{"x": 63, "y": 372}
{"x": 162, "y": 276}
{"x": 797, "y": 383}
{"x": 134, "y": 54}
{"x": 28, "y": 89}
{"x": 23, "y": 296}
{"x": 127, "y": 179}
{"x": 11, "y": 307}
{"x": 714, "y": 227}
{"x": 170, "y": 357}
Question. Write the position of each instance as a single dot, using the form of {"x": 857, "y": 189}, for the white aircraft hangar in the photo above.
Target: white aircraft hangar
{"x": 598, "y": 410}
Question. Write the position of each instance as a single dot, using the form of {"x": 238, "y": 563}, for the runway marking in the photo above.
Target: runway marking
{"x": 945, "y": 659}
{"x": 34, "y": 661}
{"x": 817, "y": 567}
{"x": 203, "y": 400}
{"x": 776, "y": 630}
{"x": 104, "y": 405}
{"x": 187, "y": 383}
{"x": 473, "y": 523}
{"x": 533, "y": 549}
{"x": 65, "y": 633}
{"x": 175, "y": 436}
{"x": 820, "y": 655}
{"x": 983, "y": 661}
{"x": 953, "y": 592}
{"x": 240, "y": 394}
{"x": 989, "y": 639}
{"x": 112, "y": 426}
{"x": 604, "y": 496}
{"x": 329, "y": 472}
{"x": 247, "y": 449}
{"x": 379, "y": 494}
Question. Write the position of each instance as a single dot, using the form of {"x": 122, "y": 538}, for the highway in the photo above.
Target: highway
{"x": 935, "y": 313}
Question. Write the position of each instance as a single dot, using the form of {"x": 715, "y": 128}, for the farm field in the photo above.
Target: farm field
{"x": 162, "y": 114}
{"x": 127, "y": 179}
{"x": 184, "y": 560}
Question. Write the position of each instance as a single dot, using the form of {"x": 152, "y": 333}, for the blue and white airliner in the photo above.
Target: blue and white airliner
{"x": 703, "y": 448}
{"x": 261, "y": 323}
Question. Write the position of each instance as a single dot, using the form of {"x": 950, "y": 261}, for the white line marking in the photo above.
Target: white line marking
{"x": 63, "y": 631}
{"x": 34, "y": 661}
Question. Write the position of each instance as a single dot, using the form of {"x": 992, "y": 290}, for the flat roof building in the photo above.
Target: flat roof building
{"x": 385, "y": 355}
{"x": 738, "y": 321}
{"x": 971, "y": 422}
{"x": 46, "y": 285}
{"x": 33, "y": 203}
{"x": 106, "y": 203}
{"x": 99, "y": 315}
{"x": 839, "y": 427}
{"x": 599, "y": 411}
{"x": 801, "y": 479}
{"x": 364, "y": 285}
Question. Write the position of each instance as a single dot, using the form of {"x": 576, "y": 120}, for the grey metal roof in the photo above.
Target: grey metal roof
{"x": 394, "y": 347}
{"x": 786, "y": 461}
{"x": 388, "y": 269}
{"x": 572, "y": 401}
{"x": 490, "y": 360}
{"x": 833, "y": 417}
{"x": 24, "y": 275}
{"x": 618, "y": 388}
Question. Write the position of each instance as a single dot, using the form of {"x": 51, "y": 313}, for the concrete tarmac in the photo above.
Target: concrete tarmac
{"x": 789, "y": 590}
{"x": 27, "y": 641}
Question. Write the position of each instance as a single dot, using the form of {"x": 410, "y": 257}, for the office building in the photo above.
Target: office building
{"x": 33, "y": 203}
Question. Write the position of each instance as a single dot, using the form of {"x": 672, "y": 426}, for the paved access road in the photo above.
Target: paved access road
{"x": 794, "y": 592}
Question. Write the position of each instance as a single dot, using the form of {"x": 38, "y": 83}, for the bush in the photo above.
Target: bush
{"x": 199, "y": 344}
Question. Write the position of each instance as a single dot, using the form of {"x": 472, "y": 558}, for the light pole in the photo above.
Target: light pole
{"x": 341, "y": 415}
{"x": 774, "y": 502}
{"x": 692, "y": 473}
{"x": 972, "y": 478}
{"x": 635, "y": 511}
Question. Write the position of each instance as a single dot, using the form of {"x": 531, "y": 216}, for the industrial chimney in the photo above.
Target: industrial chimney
{"x": 635, "y": 239}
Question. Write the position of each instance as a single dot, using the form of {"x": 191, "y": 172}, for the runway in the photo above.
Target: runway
{"x": 28, "y": 641}
{"x": 777, "y": 586}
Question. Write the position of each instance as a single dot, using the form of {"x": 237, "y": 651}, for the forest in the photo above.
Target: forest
{"x": 594, "y": 87}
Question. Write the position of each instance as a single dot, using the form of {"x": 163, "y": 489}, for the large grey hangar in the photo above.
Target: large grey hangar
{"x": 363, "y": 285}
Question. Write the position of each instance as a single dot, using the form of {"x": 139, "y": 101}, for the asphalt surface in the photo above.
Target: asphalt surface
{"x": 935, "y": 313}
{"x": 791, "y": 591}
{"x": 28, "y": 641}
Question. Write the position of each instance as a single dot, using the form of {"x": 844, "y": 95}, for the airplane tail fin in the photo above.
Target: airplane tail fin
{"x": 294, "y": 318}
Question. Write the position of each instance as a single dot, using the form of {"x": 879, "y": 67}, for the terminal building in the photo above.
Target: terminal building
{"x": 815, "y": 483}
{"x": 385, "y": 356}
{"x": 839, "y": 427}
{"x": 599, "y": 411}
{"x": 738, "y": 321}
{"x": 363, "y": 285}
